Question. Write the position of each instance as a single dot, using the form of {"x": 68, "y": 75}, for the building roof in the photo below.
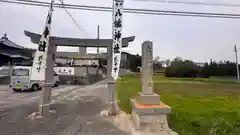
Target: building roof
{"x": 13, "y": 50}
{"x": 77, "y": 42}
{"x": 200, "y": 64}
{"x": 5, "y": 41}
{"x": 14, "y": 55}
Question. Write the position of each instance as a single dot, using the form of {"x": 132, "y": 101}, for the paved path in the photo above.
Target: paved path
{"x": 77, "y": 113}
{"x": 9, "y": 98}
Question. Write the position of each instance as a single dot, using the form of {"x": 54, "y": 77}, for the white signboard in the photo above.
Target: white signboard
{"x": 40, "y": 58}
{"x": 117, "y": 37}
{"x": 64, "y": 70}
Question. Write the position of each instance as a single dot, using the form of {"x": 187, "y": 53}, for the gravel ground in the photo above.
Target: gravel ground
{"x": 77, "y": 113}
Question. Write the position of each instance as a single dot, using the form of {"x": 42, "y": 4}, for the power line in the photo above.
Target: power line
{"x": 75, "y": 22}
{"x": 136, "y": 11}
{"x": 191, "y": 3}
{"x": 110, "y": 8}
{"x": 79, "y": 27}
{"x": 129, "y": 9}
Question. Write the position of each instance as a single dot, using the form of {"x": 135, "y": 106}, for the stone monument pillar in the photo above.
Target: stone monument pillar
{"x": 148, "y": 113}
{"x": 82, "y": 51}
{"x": 147, "y": 57}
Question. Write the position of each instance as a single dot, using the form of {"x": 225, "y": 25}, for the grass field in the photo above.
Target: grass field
{"x": 199, "y": 106}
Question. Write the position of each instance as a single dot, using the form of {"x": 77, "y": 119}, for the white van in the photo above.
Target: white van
{"x": 20, "y": 79}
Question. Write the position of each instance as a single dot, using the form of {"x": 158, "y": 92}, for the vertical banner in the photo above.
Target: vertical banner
{"x": 117, "y": 37}
{"x": 40, "y": 58}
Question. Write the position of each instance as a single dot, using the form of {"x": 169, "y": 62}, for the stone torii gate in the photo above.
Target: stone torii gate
{"x": 71, "y": 42}
{"x": 45, "y": 54}
{"x": 148, "y": 112}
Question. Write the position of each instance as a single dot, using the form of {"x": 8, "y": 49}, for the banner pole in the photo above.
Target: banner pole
{"x": 114, "y": 58}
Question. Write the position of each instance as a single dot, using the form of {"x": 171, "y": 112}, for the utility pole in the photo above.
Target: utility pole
{"x": 98, "y": 54}
{"x": 98, "y": 40}
{"x": 236, "y": 55}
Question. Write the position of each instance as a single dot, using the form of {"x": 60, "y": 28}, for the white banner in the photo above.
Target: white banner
{"x": 64, "y": 70}
{"x": 117, "y": 37}
{"x": 40, "y": 58}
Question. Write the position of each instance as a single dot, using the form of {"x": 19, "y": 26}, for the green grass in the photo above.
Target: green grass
{"x": 199, "y": 106}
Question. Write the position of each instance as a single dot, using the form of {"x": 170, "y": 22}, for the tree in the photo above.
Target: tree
{"x": 135, "y": 61}
{"x": 167, "y": 62}
{"x": 157, "y": 64}
{"x": 156, "y": 59}
{"x": 222, "y": 68}
{"x": 182, "y": 68}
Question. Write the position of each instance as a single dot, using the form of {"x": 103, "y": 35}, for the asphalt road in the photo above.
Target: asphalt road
{"x": 76, "y": 111}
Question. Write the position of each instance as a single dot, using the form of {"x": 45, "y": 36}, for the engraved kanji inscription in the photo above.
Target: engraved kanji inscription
{"x": 49, "y": 19}
{"x": 42, "y": 46}
{"x": 115, "y": 61}
{"x": 118, "y": 13}
{"x": 39, "y": 63}
{"x": 116, "y": 48}
{"x": 117, "y": 35}
{"x": 38, "y": 69}
{"x": 46, "y": 32}
{"x": 118, "y": 23}
{"x": 40, "y": 57}
{"x": 115, "y": 69}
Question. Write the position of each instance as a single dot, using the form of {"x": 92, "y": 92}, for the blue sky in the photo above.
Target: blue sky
{"x": 198, "y": 39}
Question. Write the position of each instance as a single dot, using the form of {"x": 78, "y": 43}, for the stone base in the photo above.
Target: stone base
{"x": 35, "y": 115}
{"x": 113, "y": 109}
{"x": 121, "y": 120}
{"x": 153, "y": 99}
{"x": 150, "y": 119}
{"x": 140, "y": 108}
{"x": 124, "y": 122}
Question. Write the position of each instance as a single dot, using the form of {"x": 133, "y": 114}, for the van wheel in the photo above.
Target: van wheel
{"x": 35, "y": 87}
{"x": 56, "y": 84}
{"x": 16, "y": 90}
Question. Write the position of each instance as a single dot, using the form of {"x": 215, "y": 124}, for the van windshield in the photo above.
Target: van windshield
{"x": 20, "y": 72}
